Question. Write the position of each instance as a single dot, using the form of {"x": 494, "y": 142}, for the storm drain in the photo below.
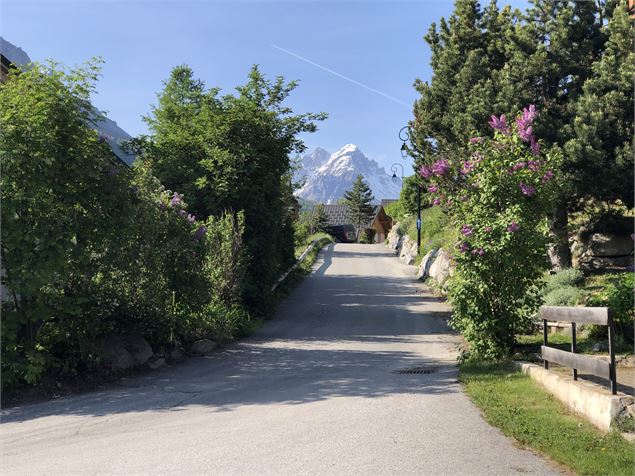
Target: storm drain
{"x": 416, "y": 370}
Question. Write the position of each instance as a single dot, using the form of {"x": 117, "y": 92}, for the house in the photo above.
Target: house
{"x": 12, "y": 56}
{"x": 380, "y": 224}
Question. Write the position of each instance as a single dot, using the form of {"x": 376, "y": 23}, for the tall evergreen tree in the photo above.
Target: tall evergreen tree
{"x": 358, "y": 199}
{"x": 494, "y": 60}
{"x": 602, "y": 128}
{"x": 319, "y": 219}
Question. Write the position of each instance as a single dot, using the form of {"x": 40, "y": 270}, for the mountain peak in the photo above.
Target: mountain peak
{"x": 329, "y": 176}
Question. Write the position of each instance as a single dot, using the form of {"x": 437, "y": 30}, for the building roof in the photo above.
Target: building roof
{"x": 107, "y": 128}
{"x": 338, "y": 215}
{"x": 17, "y": 56}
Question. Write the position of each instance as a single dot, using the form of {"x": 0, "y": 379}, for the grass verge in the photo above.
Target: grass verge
{"x": 511, "y": 401}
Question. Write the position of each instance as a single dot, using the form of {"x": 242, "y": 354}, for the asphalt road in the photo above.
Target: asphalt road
{"x": 315, "y": 391}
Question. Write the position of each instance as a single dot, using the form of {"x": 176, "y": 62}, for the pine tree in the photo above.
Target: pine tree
{"x": 319, "y": 219}
{"x": 358, "y": 199}
{"x": 603, "y": 123}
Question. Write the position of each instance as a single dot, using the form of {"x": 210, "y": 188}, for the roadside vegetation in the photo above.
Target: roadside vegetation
{"x": 522, "y": 410}
{"x": 184, "y": 245}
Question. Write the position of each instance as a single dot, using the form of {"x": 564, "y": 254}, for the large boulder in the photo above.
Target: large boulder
{"x": 426, "y": 262}
{"x": 112, "y": 349}
{"x": 203, "y": 346}
{"x": 137, "y": 347}
{"x": 609, "y": 245}
{"x": 440, "y": 269}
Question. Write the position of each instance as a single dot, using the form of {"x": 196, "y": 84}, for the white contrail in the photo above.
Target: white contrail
{"x": 350, "y": 80}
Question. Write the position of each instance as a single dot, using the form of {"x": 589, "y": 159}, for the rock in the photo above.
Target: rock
{"x": 424, "y": 268}
{"x": 203, "y": 346}
{"x": 440, "y": 269}
{"x": 600, "y": 347}
{"x": 112, "y": 349}
{"x": 608, "y": 245}
{"x": 138, "y": 348}
{"x": 594, "y": 264}
{"x": 156, "y": 363}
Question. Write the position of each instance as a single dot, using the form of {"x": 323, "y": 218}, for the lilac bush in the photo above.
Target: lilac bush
{"x": 498, "y": 198}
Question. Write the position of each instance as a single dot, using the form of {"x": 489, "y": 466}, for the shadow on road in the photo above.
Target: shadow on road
{"x": 335, "y": 336}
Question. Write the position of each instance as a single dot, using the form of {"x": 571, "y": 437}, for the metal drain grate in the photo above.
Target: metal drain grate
{"x": 416, "y": 370}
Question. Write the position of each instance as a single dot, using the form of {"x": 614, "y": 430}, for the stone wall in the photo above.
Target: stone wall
{"x": 436, "y": 264}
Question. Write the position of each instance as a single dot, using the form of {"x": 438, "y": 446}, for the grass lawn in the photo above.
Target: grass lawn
{"x": 518, "y": 406}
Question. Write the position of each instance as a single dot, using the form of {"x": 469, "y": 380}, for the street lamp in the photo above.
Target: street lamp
{"x": 404, "y": 136}
{"x": 394, "y": 168}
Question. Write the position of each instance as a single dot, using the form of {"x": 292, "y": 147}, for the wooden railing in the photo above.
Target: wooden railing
{"x": 580, "y": 315}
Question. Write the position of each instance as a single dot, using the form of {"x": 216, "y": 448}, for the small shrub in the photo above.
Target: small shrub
{"x": 563, "y": 296}
{"x": 617, "y": 295}
{"x": 569, "y": 277}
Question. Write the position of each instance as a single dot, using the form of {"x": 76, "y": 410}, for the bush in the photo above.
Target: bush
{"x": 562, "y": 296}
{"x": 617, "y": 294}
{"x": 569, "y": 277}
{"x": 498, "y": 201}
{"x": 90, "y": 247}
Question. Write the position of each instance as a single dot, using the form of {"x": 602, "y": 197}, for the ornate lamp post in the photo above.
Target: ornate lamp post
{"x": 405, "y": 137}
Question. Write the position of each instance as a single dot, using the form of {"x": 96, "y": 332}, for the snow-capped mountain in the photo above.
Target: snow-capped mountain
{"x": 328, "y": 176}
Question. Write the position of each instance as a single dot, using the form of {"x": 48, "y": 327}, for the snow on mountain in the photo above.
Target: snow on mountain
{"x": 328, "y": 176}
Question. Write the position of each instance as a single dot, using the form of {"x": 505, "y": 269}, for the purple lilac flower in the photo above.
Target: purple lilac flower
{"x": 467, "y": 230}
{"x": 513, "y": 227}
{"x": 200, "y": 233}
{"x": 527, "y": 190}
{"x": 499, "y": 123}
{"x": 103, "y": 137}
{"x": 433, "y": 188}
{"x": 464, "y": 198}
{"x": 425, "y": 171}
{"x": 518, "y": 166}
{"x": 535, "y": 147}
{"x": 440, "y": 168}
{"x": 162, "y": 206}
{"x": 467, "y": 167}
{"x": 464, "y": 246}
{"x": 436, "y": 201}
{"x": 478, "y": 156}
{"x": 547, "y": 176}
{"x": 488, "y": 229}
{"x": 533, "y": 165}
{"x": 177, "y": 199}
{"x": 191, "y": 218}
{"x": 524, "y": 121}
{"x": 475, "y": 140}
{"x": 182, "y": 213}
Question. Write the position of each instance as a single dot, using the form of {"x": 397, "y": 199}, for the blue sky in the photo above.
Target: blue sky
{"x": 378, "y": 44}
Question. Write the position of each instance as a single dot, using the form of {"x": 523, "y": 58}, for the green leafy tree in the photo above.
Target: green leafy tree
{"x": 359, "y": 201}
{"x": 61, "y": 195}
{"x": 232, "y": 152}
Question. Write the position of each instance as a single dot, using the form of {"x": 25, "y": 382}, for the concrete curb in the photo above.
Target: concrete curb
{"x": 600, "y": 408}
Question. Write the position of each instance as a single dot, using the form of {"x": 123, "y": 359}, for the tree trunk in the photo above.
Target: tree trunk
{"x": 560, "y": 251}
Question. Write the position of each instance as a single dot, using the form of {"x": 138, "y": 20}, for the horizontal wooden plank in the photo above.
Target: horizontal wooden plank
{"x": 583, "y": 363}
{"x": 580, "y": 315}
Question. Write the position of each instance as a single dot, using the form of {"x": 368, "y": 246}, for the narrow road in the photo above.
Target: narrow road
{"x": 315, "y": 391}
